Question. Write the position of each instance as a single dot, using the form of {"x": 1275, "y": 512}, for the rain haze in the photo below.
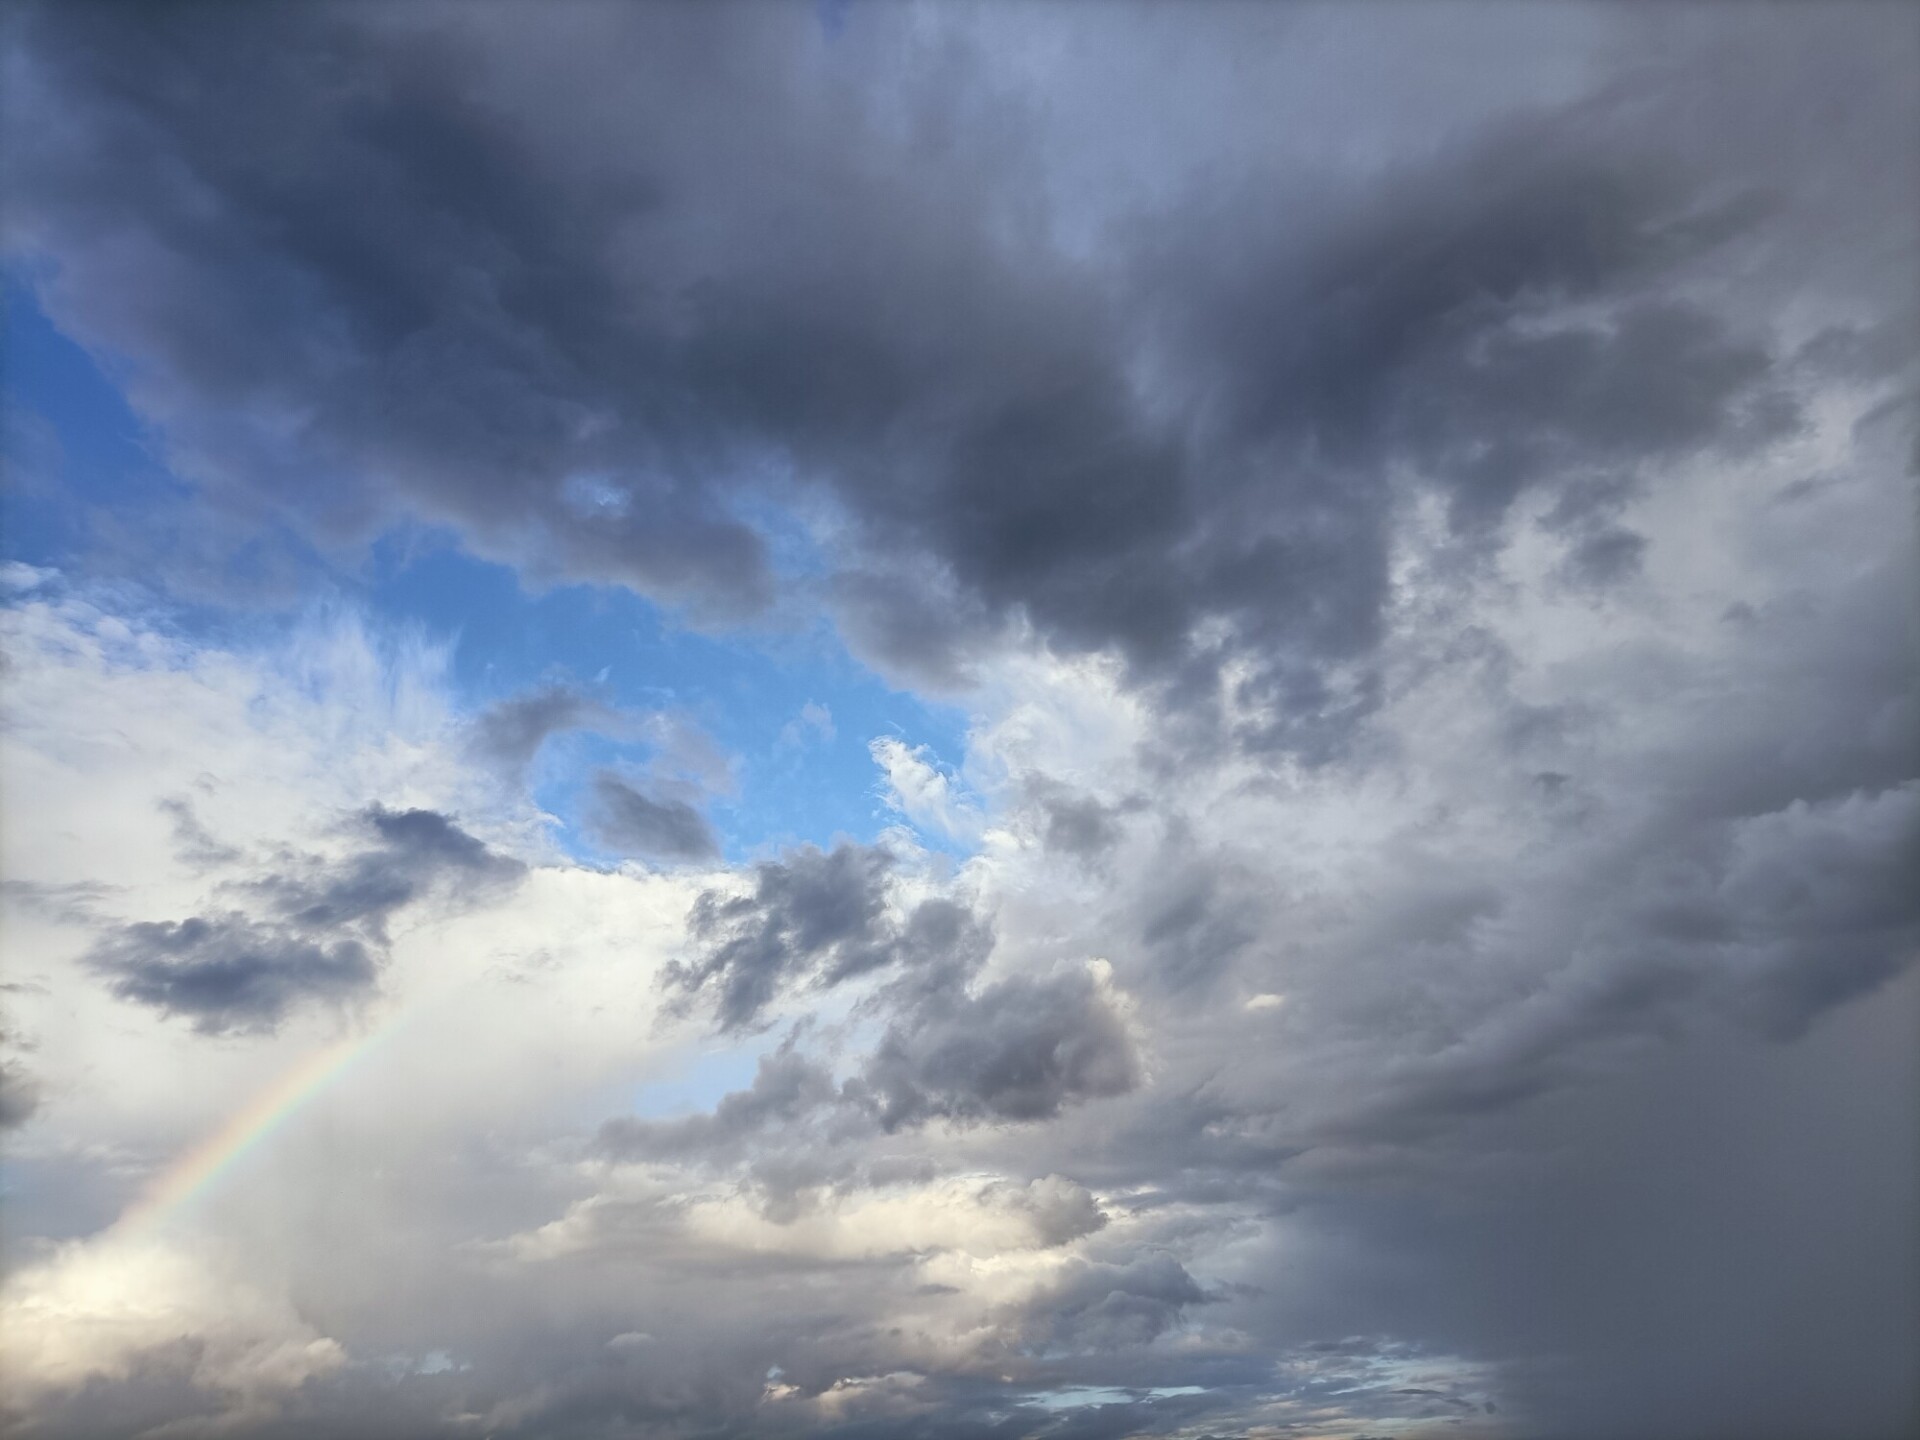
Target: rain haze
{"x": 965, "y": 721}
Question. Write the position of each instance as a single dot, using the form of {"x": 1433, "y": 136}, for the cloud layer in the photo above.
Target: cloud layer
{"x": 1415, "y": 508}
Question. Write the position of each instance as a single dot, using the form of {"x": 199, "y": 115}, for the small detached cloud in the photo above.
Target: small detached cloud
{"x": 509, "y": 733}
{"x": 924, "y": 794}
{"x": 625, "y": 818}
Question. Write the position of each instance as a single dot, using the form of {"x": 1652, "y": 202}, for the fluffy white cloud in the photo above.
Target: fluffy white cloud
{"x": 143, "y": 1312}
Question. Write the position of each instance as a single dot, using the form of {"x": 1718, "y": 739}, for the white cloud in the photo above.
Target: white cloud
{"x": 926, "y": 795}
{"x": 115, "y": 1307}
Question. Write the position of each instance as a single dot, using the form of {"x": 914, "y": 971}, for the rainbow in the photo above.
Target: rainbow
{"x": 201, "y": 1167}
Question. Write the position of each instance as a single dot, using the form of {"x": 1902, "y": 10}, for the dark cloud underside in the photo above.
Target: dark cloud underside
{"x": 232, "y": 971}
{"x": 227, "y": 972}
{"x": 482, "y": 321}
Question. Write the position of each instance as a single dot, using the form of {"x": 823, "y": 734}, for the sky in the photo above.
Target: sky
{"x": 920, "y": 720}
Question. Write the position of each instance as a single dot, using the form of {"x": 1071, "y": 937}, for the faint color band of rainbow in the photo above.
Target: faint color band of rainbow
{"x": 198, "y": 1170}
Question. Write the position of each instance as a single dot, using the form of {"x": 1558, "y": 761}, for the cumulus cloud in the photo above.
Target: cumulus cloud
{"x": 227, "y": 971}
{"x": 230, "y": 971}
{"x": 96, "y": 1327}
{"x": 1416, "y": 522}
{"x": 415, "y": 849}
{"x": 814, "y": 909}
{"x": 955, "y": 1047}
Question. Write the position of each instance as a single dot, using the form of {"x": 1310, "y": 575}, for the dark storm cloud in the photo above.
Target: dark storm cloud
{"x": 1432, "y": 319}
{"x": 227, "y": 972}
{"x": 506, "y": 318}
{"x": 441, "y": 300}
{"x": 627, "y": 819}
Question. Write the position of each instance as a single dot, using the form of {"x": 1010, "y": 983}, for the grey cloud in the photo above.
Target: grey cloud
{"x": 1019, "y": 1049}
{"x": 226, "y": 972}
{"x": 452, "y": 296}
{"x": 1015, "y": 1051}
{"x": 1592, "y": 1083}
{"x": 416, "y": 850}
{"x": 822, "y": 918}
{"x": 628, "y": 819}
{"x": 1685, "y": 944}
{"x": 787, "y": 1087}
{"x": 192, "y": 842}
{"x": 1193, "y": 923}
{"x": 231, "y": 971}
{"x": 19, "y": 1094}
{"x": 914, "y": 625}
{"x": 1824, "y": 898}
{"x": 1110, "y": 1306}
{"x": 816, "y": 908}
{"x": 1605, "y": 556}
{"x": 510, "y": 732}
{"x": 1081, "y": 827}
{"x": 75, "y": 902}
{"x": 529, "y": 338}
{"x": 1079, "y": 824}
{"x": 1062, "y": 1210}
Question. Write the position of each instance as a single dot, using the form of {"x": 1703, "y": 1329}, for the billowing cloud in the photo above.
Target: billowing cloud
{"x": 230, "y": 971}
{"x": 811, "y": 910}
{"x": 1016, "y": 1049}
{"x": 98, "y": 1334}
{"x": 1385, "y": 907}
{"x": 1191, "y": 456}
{"x": 415, "y": 849}
{"x": 226, "y": 971}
